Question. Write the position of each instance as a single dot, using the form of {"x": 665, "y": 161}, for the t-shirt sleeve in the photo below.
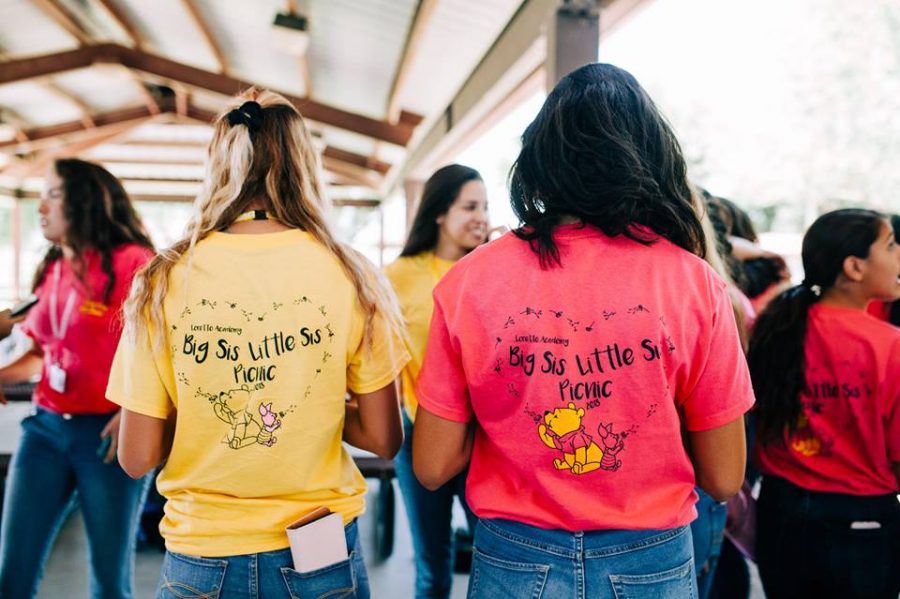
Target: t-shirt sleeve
{"x": 38, "y": 312}
{"x": 135, "y": 381}
{"x": 133, "y": 258}
{"x": 372, "y": 368}
{"x": 441, "y": 387}
{"x": 718, "y": 389}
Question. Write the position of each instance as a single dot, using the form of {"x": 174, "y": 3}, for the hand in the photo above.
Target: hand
{"x": 112, "y": 430}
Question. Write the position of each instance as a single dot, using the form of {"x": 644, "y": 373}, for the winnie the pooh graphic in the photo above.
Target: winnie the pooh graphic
{"x": 562, "y": 430}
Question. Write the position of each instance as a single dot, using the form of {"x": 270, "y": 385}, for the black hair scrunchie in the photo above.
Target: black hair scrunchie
{"x": 249, "y": 114}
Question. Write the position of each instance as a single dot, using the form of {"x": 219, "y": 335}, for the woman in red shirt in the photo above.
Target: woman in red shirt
{"x": 827, "y": 379}
{"x": 69, "y": 441}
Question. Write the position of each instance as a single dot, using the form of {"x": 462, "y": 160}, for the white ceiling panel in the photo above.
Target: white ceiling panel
{"x": 103, "y": 88}
{"x": 457, "y": 36}
{"x": 96, "y": 21}
{"x": 345, "y": 140}
{"x": 26, "y": 30}
{"x": 355, "y": 48}
{"x": 243, "y": 31}
{"x": 35, "y": 104}
{"x": 166, "y": 28}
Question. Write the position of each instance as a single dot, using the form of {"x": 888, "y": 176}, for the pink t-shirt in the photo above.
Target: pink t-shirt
{"x": 86, "y": 335}
{"x": 580, "y": 377}
{"x": 849, "y": 430}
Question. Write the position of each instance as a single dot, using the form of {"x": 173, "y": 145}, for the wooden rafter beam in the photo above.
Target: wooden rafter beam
{"x": 362, "y": 168}
{"x": 336, "y": 155}
{"x": 151, "y": 161}
{"x": 183, "y": 102}
{"x": 176, "y": 198}
{"x": 356, "y": 160}
{"x": 16, "y": 70}
{"x": 421, "y": 20}
{"x": 36, "y": 166}
{"x": 48, "y": 64}
{"x": 86, "y": 119}
{"x": 15, "y": 120}
{"x": 51, "y": 132}
{"x": 64, "y": 19}
{"x": 206, "y": 33}
{"x": 124, "y": 23}
{"x": 149, "y": 101}
{"x": 358, "y": 174}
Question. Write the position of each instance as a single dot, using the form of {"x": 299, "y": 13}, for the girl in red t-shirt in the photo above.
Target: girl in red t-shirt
{"x": 570, "y": 362}
{"x": 827, "y": 379}
{"x": 68, "y": 442}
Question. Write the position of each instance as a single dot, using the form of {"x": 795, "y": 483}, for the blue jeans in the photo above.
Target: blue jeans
{"x": 268, "y": 575}
{"x": 516, "y": 560}
{"x": 57, "y": 460}
{"x": 430, "y": 516}
{"x": 706, "y": 533}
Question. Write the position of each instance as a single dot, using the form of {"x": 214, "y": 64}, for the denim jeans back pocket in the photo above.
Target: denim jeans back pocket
{"x": 492, "y": 577}
{"x": 189, "y": 577}
{"x": 676, "y": 583}
{"x": 331, "y": 582}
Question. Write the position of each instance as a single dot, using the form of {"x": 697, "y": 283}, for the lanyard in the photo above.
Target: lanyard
{"x": 58, "y": 327}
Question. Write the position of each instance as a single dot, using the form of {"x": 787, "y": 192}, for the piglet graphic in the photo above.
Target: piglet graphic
{"x": 270, "y": 423}
{"x": 612, "y": 445}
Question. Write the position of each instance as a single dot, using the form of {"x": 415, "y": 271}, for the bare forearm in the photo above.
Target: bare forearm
{"x": 375, "y": 428}
{"x": 21, "y": 369}
{"x": 441, "y": 448}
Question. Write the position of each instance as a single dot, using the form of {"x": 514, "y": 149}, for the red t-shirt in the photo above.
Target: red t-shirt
{"x": 580, "y": 377}
{"x": 879, "y": 309}
{"x": 91, "y": 330}
{"x": 849, "y": 430}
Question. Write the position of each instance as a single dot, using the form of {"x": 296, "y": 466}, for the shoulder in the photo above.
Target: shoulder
{"x": 403, "y": 263}
{"x": 406, "y": 269}
{"x": 132, "y": 252}
{"x": 490, "y": 261}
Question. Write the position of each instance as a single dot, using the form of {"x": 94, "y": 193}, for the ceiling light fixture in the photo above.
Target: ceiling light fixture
{"x": 290, "y": 33}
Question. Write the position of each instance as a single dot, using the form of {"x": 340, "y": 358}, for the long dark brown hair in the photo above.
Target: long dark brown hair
{"x": 100, "y": 216}
{"x": 777, "y": 346}
{"x": 600, "y": 151}
{"x": 441, "y": 190}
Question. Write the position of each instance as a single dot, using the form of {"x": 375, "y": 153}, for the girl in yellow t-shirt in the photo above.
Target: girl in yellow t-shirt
{"x": 241, "y": 343}
{"x": 450, "y": 222}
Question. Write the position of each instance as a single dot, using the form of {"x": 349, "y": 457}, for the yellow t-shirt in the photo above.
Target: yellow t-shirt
{"x": 414, "y": 278}
{"x": 264, "y": 338}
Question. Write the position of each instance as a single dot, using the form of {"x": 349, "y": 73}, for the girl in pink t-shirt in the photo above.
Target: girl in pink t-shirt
{"x": 827, "y": 375}
{"x": 68, "y": 442}
{"x": 565, "y": 359}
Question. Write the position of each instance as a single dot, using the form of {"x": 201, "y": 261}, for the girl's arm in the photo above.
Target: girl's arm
{"x": 144, "y": 442}
{"x": 719, "y": 456}
{"x": 21, "y": 369}
{"x": 372, "y": 422}
{"x": 441, "y": 448}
